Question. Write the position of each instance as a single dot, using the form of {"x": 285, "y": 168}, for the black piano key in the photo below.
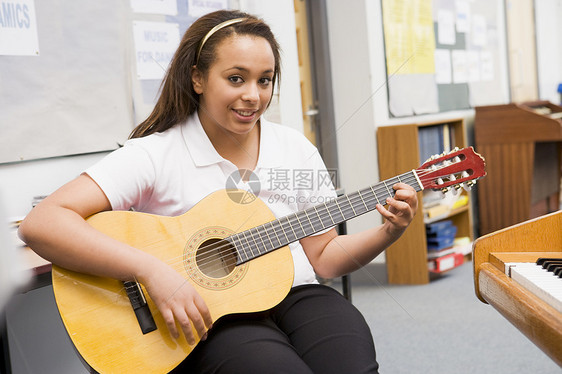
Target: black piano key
{"x": 553, "y": 266}
{"x": 550, "y": 265}
{"x": 553, "y": 270}
{"x": 542, "y": 260}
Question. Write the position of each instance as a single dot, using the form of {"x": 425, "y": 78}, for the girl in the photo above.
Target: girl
{"x": 206, "y": 127}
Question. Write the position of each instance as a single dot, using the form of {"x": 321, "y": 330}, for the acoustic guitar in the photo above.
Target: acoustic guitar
{"x": 235, "y": 254}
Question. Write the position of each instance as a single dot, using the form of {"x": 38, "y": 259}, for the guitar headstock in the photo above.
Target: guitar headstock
{"x": 458, "y": 168}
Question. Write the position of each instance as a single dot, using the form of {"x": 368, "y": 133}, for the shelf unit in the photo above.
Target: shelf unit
{"x": 398, "y": 152}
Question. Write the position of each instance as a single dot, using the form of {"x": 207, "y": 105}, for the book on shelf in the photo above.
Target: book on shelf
{"x": 462, "y": 245}
{"x": 434, "y": 209}
{"x": 435, "y": 139}
{"x": 436, "y": 227}
{"x": 444, "y": 250}
{"x": 444, "y": 263}
{"x": 432, "y": 255}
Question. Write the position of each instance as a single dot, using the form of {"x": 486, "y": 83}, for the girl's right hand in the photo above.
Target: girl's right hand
{"x": 178, "y": 301}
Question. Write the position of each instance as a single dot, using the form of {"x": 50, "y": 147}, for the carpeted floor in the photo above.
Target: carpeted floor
{"x": 441, "y": 327}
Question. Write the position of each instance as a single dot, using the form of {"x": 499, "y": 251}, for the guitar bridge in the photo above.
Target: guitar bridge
{"x": 140, "y": 306}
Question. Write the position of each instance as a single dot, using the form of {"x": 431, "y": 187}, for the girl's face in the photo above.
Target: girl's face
{"x": 238, "y": 86}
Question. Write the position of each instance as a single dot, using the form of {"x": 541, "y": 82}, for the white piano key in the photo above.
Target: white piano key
{"x": 540, "y": 282}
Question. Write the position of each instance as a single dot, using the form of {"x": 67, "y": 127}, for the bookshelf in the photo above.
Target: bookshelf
{"x": 401, "y": 148}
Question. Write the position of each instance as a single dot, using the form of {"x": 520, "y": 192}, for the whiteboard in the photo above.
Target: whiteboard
{"x": 75, "y": 95}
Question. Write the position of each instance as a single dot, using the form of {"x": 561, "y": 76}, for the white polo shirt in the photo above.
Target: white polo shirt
{"x": 168, "y": 173}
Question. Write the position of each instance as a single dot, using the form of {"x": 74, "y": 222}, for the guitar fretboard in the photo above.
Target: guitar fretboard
{"x": 278, "y": 233}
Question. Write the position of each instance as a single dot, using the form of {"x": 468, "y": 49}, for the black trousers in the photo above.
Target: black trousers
{"x": 313, "y": 330}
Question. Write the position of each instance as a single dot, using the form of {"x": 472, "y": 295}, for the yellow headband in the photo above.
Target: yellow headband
{"x": 214, "y": 30}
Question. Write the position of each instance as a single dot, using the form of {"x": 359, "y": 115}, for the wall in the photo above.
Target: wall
{"x": 20, "y": 182}
{"x": 522, "y": 50}
{"x": 549, "y": 48}
{"x": 352, "y": 83}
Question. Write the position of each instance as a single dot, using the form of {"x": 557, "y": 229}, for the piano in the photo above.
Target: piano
{"x": 523, "y": 148}
{"x": 500, "y": 260}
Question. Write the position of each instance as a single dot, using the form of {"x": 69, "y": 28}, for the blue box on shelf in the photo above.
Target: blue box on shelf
{"x": 440, "y": 235}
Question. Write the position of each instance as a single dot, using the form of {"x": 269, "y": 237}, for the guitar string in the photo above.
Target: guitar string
{"x": 296, "y": 220}
{"x": 221, "y": 250}
{"x": 230, "y": 259}
{"x": 293, "y": 220}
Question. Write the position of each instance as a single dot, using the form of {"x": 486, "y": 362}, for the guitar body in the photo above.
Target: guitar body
{"x": 97, "y": 312}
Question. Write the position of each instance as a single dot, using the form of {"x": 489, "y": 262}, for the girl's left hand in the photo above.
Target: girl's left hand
{"x": 401, "y": 208}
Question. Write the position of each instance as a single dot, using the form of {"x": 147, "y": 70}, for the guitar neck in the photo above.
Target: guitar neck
{"x": 278, "y": 233}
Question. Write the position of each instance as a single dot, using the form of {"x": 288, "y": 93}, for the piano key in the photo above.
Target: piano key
{"x": 553, "y": 266}
{"x": 541, "y": 260}
{"x": 548, "y": 263}
{"x": 540, "y": 282}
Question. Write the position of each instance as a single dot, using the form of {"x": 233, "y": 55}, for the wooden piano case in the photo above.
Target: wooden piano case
{"x": 540, "y": 237}
{"x": 522, "y": 144}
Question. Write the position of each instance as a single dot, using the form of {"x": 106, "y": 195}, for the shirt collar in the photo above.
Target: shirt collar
{"x": 204, "y": 153}
{"x": 198, "y": 144}
{"x": 271, "y": 154}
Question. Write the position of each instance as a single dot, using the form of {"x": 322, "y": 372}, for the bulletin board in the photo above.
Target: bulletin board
{"x": 72, "y": 95}
{"x": 444, "y": 55}
{"x": 77, "y": 76}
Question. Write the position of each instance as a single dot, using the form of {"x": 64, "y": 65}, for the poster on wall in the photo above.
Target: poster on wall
{"x": 155, "y": 45}
{"x": 18, "y": 28}
{"x": 410, "y": 61}
{"x": 156, "y": 37}
{"x": 443, "y": 55}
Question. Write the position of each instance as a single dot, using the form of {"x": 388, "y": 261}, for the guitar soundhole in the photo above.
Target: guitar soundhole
{"x": 216, "y": 258}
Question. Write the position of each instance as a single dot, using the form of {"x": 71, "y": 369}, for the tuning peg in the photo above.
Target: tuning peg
{"x": 468, "y": 185}
{"x": 444, "y": 190}
{"x": 456, "y": 189}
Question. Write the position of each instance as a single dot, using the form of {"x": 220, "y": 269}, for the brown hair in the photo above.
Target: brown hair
{"x": 178, "y": 100}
